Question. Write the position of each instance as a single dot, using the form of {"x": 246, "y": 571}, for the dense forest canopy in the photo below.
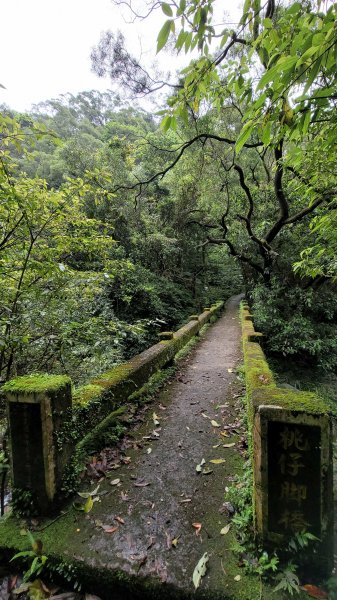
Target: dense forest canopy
{"x": 260, "y": 103}
{"x": 90, "y": 275}
{"x": 116, "y": 223}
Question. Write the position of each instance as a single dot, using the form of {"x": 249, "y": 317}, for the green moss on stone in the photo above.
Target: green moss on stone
{"x": 85, "y": 394}
{"x": 95, "y": 437}
{"x": 36, "y": 384}
{"x": 166, "y": 335}
{"x": 260, "y": 383}
{"x": 114, "y": 376}
{"x": 292, "y": 400}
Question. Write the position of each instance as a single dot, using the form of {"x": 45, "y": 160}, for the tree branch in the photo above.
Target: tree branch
{"x": 263, "y": 246}
{"x": 282, "y": 201}
{"x": 203, "y": 137}
{"x": 204, "y": 225}
{"x": 233, "y": 252}
{"x": 306, "y": 211}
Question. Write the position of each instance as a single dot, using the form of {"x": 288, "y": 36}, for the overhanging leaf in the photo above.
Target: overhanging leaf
{"x": 244, "y": 135}
{"x": 167, "y": 10}
{"x": 164, "y": 34}
{"x": 200, "y": 570}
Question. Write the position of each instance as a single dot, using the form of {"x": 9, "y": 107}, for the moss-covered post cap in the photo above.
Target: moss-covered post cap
{"x": 194, "y": 317}
{"x": 36, "y": 384}
{"x": 207, "y": 308}
{"x": 39, "y": 408}
{"x": 166, "y": 335}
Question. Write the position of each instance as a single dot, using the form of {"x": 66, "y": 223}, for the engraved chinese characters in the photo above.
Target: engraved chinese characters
{"x": 294, "y": 464}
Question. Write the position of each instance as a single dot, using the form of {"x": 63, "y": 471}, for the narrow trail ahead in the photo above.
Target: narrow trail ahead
{"x": 139, "y": 541}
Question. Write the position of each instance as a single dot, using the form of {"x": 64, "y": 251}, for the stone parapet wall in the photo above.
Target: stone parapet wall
{"x": 290, "y": 439}
{"x": 106, "y": 393}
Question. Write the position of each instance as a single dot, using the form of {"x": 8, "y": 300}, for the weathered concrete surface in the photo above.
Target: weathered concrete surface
{"x": 161, "y": 494}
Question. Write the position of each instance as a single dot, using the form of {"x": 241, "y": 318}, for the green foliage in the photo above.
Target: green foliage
{"x": 72, "y": 473}
{"x": 295, "y": 46}
{"x": 38, "y": 560}
{"x": 68, "y": 572}
{"x": 104, "y": 277}
{"x": 23, "y": 503}
{"x": 278, "y": 567}
{"x": 155, "y": 383}
{"x": 301, "y": 540}
{"x": 287, "y": 580}
{"x": 298, "y": 323}
{"x": 332, "y": 588}
{"x": 143, "y": 294}
{"x": 264, "y": 565}
{"x": 319, "y": 258}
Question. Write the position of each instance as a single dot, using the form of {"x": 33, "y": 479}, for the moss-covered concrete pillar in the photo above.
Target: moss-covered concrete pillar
{"x": 38, "y": 408}
{"x": 293, "y": 481}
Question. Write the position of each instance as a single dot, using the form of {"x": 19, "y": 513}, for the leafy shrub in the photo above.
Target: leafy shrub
{"x": 145, "y": 295}
{"x": 298, "y": 322}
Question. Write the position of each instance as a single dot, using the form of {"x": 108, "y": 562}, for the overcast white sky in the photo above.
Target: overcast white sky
{"x": 45, "y": 46}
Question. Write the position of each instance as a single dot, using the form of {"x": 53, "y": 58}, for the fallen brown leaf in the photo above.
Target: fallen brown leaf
{"x": 151, "y": 542}
{"x": 141, "y": 483}
{"x": 314, "y": 591}
{"x": 120, "y": 520}
{"x": 197, "y": 527}
{"x": 109, "y": 529}
{"x": 142, "y": 562}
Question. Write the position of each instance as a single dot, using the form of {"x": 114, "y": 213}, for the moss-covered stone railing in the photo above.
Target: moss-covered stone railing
{"x": 48, "y": 423}
{"x": 291, "y": 447}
